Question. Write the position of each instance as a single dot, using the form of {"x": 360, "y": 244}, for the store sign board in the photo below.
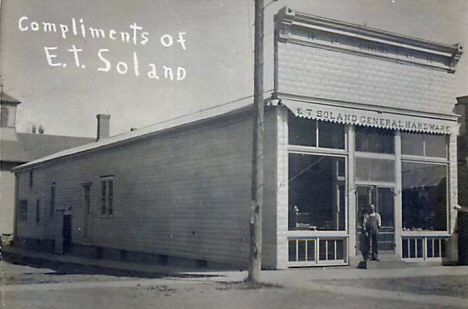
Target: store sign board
{"x": 370, "y": 118}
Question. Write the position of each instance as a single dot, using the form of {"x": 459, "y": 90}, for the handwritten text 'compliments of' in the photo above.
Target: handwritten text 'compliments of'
{"x": 135, "y": 36}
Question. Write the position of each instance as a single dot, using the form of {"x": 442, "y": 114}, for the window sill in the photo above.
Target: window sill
{"x": 299, "y": 233}
{"x": 425, "y": 233}
{"x": 106, "y": 216}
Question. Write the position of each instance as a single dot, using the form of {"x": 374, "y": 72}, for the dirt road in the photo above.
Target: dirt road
{"x": 26, "y": 287}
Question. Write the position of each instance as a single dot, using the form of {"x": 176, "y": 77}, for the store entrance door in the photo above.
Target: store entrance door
{"x": 383, "y": 199}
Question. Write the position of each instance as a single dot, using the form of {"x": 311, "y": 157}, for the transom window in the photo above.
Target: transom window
{"x": 375, "y": 140}
{"x": 313, "y": 133}
{"x": 427, "y": 145}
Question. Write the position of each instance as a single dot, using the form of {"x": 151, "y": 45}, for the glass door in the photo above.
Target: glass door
{"x": 383, "y": 199}
{"x": 385, "y": 207}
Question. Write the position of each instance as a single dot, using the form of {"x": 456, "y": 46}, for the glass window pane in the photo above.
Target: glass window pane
{"x": 23, "y": 210}
{"x": 419, "y": 248}
{"x": 375, "y": 169}
{"x": 412, "y": 248}
{"x": 437, "y": 246}
{"x": 424, "y": 196}
{"x": 323, "y": 248}
{"x": 341, "y": 216}
{"x": 430, "y": 247}
{"x": 292, "y": 250}
{"x": 110, "y": 185}
{"x": 302, "y": 131}
{"x": 110, "y": 201}
{"x": 103, "y": 189}
{"x": 52, "y": 200}
{"x": 301, "y": 246}
{"x": 310, "y": 250}
{"x": 340, "y": 250}
{"x": 4, "y": 117}
{"x": 405, "y": 252}
{"x": 412, "y": 143}
{"x": 38, "y": 210}
{"x": 331, "y": 135}
{"x": 386, "y": 209}
{"x": 103, "y": 207}
{"x": 436, "y": 145}
{"x": 375, "y": 140}
{"x": 316, "y": 193}
{"x": 331, "y": 250}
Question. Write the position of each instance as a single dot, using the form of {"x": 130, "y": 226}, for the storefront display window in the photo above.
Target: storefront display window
{"x": 316, "y": 192}
{"x": 375, "y": 140}
{"x": 424, "y": 196}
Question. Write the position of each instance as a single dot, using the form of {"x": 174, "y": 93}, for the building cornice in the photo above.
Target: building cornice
{"x": 301, "y": 28}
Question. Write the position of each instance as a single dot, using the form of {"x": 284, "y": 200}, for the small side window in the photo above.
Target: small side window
{"x": 52, "y": 199}
{"x": 23, "y": 210}
{"x": 31, "y": 178}
{"x": 107, "y": 196}
{"x": 38, "y": 211}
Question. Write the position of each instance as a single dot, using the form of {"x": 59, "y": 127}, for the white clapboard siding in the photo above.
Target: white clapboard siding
{"x": 184, "y": 192}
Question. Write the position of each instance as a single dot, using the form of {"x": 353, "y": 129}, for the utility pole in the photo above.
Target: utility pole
{"x": 255, "y": 263}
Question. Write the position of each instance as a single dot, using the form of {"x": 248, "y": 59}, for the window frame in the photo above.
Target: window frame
{"x": 106, "y": 209}
{"x": 373, "y": 153}
{"x": 424, "y": 156}
{"x": 344, "y": 179}
{"x": 447, "y": 194}
{"x": 23, "y": 210}
{"x": 38, "y": 211}
{"x": 31, "y": 179}
{"x": 315, "y": 127}
{"x": 86, "y": 198}
{"x": 53, "y": 197}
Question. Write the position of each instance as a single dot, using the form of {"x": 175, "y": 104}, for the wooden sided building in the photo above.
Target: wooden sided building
{"x": 358, "y": 116}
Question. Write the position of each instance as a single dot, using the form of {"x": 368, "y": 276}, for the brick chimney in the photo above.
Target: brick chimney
{"x": 103, "y": 123}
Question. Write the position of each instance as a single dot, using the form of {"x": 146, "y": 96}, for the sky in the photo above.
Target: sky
{"x": 210, "y": 41}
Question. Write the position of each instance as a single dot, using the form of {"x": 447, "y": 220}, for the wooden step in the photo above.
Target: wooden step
{"x": 383, "y": 264}
{"x": 387, "y": 260}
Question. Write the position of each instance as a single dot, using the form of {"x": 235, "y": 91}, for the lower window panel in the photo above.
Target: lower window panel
{"x": 424, "y": 248}
{"x": 317, "y": 251}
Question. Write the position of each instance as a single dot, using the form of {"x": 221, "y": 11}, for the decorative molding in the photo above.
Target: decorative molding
{"x": 300, "y": 28}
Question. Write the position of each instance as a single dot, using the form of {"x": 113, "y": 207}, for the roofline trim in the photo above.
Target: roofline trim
{"x": 232, "y": 107}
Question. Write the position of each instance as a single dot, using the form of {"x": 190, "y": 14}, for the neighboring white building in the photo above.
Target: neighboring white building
{"x": 357, "y": 116}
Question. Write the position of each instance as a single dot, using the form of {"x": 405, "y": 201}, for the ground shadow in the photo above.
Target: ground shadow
{"x": 56, "y": 268}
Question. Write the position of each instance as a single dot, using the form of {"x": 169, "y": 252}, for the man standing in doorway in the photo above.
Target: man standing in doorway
{"x": 371, "y": 224}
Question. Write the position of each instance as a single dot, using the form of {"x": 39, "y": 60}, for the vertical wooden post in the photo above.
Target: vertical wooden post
{"x": 255, "y": 264}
